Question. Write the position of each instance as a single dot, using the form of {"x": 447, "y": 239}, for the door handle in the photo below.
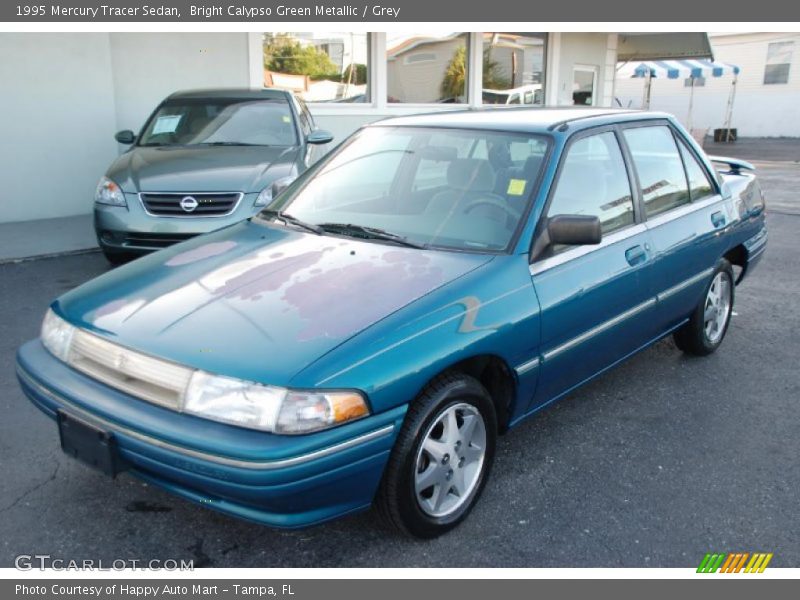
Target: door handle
{"x": 718, "y": 219}
{"x": 635, "y": 255}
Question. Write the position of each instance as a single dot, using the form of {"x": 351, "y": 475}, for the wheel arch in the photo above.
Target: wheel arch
{"x": 496, "y": 376}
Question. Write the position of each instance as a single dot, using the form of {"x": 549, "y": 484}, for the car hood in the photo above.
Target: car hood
{"x": 258, "y": 302}
{"x": 202, "y": 168}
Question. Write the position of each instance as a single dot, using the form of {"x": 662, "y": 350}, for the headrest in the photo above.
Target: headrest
{"x": 472, "y": 174}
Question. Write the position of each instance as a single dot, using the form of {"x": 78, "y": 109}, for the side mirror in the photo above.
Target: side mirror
{"x": 126, "y": 136}
{"x": 574, "y": 230}
{"x": 571, "y": 230}
{"x": 319, "y": 136}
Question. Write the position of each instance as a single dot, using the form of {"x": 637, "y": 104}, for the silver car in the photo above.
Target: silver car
{"x": 204, "y": 159}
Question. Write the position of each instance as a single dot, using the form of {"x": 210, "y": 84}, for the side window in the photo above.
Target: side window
{"x": 593, "y": 181}
{"x": 660, "y": 168}
{"x": 306, "y": 124}
{"x": 699, "y": 185}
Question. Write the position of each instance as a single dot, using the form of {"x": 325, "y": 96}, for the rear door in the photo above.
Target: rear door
{"x": 684, "y": 215}
{"x": 596, "y": 301}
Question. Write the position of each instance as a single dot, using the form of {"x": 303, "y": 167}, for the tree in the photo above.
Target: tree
{"x": 455, "y": 74}
{"x": 284, "y": 55}
{"x": 360, "y": 76}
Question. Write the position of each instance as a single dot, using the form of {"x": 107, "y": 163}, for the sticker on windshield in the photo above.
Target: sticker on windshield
{"x": 286, "y": 119}
{"x": 516, "y": 187}
{"x": 166, "y": 124}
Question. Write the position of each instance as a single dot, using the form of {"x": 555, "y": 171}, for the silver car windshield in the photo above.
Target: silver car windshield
{"x": 450, "y": 188}
{"x": 221, "y": 122}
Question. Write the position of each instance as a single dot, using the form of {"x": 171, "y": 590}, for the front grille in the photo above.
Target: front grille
{"x": 151, "y": 379}
{"x": 201, "y": 204}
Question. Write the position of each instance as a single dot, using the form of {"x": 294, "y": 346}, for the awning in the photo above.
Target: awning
{"x": 677, "y": 69}
{"x": 663, "y": 46}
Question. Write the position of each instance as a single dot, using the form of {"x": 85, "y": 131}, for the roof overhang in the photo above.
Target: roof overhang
{"x": 663, "y": 46}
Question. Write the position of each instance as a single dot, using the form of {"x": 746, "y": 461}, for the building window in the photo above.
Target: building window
{"x": 318, "y": 67}
{"x": 427, "y": 68}
{"x": 779, "y": 59}
{"x": 698, "y": 82}
{"x": 513, "y": 68}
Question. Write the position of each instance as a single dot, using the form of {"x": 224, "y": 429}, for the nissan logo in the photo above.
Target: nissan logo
{"x": 188, "y": 203}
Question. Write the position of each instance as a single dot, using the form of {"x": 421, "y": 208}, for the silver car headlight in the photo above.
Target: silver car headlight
{"x": 215, "y": 397}
{"x": 109, "y": 193}
{"x": 57, "y": 335}
{"x": 270, "y": 408}
{"x": 269, "y": 193}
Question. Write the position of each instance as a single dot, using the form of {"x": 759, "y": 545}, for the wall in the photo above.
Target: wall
{"x": 759, "y": 110}
{"x": 57, "y": 119}
{"x": 587, "y": 49}
{"x": 149, "y": 66}
{"x": 65, "y": 95}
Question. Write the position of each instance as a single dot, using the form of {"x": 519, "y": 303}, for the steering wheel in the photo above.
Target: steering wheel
{"x": 494, "y": 200}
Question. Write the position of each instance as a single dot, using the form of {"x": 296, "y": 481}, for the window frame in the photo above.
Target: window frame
{"x": 633, "y": 184}
{"x": 788, "y": 64}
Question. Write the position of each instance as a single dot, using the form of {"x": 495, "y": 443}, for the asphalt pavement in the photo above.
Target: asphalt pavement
{"x": 651, "y": 465}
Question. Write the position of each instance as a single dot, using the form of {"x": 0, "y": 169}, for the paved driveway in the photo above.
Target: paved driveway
{"x": 654, "y": 464}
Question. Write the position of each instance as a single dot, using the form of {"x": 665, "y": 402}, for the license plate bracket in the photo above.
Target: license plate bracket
{"x": 89, "y": 444}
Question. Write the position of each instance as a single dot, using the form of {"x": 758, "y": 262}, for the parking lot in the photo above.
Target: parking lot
{"x": 651, "y": 465}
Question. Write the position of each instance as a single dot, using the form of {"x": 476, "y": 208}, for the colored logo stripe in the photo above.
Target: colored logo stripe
{"x": 734, "y": 562}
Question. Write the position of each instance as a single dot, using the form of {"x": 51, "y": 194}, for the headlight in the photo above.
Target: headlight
{"x": 269, "y": 408}
{"x": 269, "y": 193}
{"x": 109, "y": 193}
{"x": 215, "y": 397}
{"x": 57, "y": 335}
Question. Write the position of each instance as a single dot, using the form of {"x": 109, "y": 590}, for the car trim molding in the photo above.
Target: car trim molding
{"x": 221, "y": 460}
{"x": 684, "y": 284}
{"x": 598, "y": 329}
{"x": 240, "y": 196}
{"x": 527, "y": 366}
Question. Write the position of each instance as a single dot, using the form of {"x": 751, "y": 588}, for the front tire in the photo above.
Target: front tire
{"x": 709, "y": 322}
{"x": 441, "y": 459}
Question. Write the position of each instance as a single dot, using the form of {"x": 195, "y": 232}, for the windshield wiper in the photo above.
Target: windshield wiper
{"x": 290, "y": 220}
{"x": 372, "y": 233}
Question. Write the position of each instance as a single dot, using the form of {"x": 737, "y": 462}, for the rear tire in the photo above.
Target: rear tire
{"x": 709, "y": 322}
{"x": 441, "y": 459}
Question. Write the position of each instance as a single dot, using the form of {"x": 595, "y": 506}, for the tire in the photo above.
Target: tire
{"x": 463, "y": 451}
{"x": 705, "y": 331}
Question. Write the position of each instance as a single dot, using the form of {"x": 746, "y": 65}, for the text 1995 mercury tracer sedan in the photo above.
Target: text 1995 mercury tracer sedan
{"x": 430, "y": 284}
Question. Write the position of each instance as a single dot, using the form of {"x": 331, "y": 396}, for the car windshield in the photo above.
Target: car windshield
{"x": 431, "y": 187}
{"x": 221, "y": 122}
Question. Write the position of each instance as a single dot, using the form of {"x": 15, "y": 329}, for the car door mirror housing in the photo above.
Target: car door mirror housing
{"x": 126, "y": 136}
{"x": 319, "y": 136}
{"x": 574, "y": 230}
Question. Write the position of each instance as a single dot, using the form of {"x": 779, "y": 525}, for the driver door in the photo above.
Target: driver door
{"x": 596, "y": 300}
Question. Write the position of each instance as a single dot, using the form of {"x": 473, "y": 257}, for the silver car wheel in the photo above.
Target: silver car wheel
{"x": 717, "y": 307}
{"x": 450, "y": 459}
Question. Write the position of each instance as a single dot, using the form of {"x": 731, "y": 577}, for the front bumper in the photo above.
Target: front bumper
{"x": 281, "y": 481}
{"x": 132, "y": 229}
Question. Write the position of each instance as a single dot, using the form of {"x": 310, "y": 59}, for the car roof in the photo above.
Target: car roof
{"x": 523, "y": 119}
{"x": 230, "y": 93}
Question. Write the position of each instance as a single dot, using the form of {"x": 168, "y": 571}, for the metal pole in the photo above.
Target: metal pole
{"x": 729, "y": 109}
{"x": 646, "y": 94}
{"x": 691, "y": 104}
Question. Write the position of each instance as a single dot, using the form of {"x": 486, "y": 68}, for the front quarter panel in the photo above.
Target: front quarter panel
{"x": 491, "y": 311}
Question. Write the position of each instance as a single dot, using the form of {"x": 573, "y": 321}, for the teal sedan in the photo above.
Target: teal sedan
{"x": 366, "y": 337}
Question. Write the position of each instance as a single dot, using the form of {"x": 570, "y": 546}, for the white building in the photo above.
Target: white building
{"x": 767, "y": 102}
{"x": 66, "y": 94}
